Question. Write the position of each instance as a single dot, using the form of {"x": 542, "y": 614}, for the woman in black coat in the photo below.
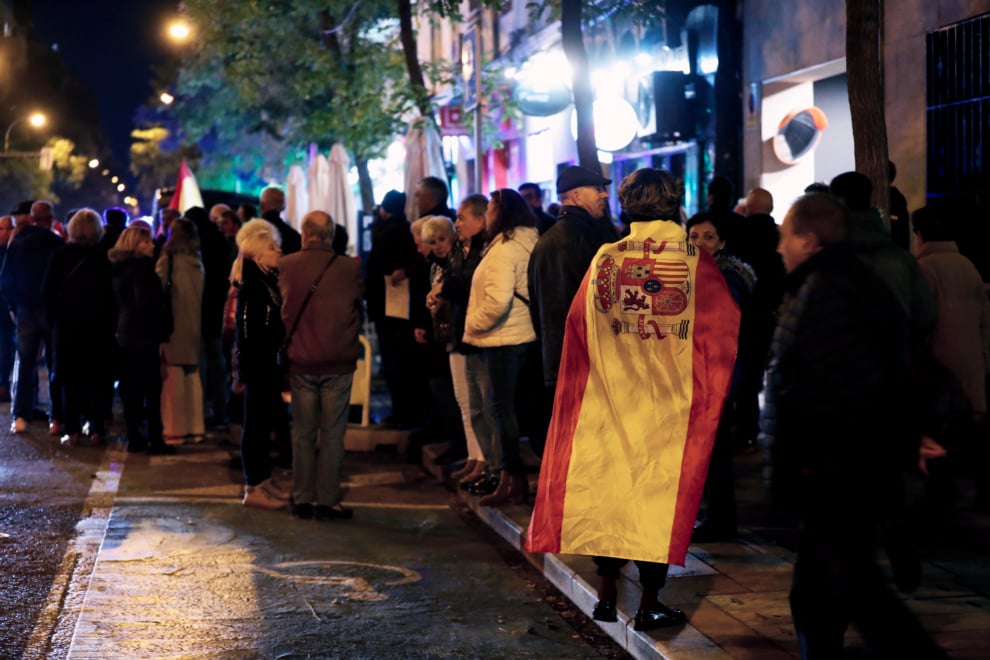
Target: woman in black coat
{"x": 259, "y": 334}
{"x": 81, "y": 308}
{"x": 140, "y": 299}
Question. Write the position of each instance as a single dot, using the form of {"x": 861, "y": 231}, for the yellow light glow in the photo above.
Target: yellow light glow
{"x": 37, "y": 119}
{"x": 120, "y": 187}
{"x": 179, "y": 30}
{"x": 94, "y": 163}
{"x": 114, "y": 179}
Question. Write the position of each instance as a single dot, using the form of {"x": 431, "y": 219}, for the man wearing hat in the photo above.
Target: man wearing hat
{"x": 561, "y": 258}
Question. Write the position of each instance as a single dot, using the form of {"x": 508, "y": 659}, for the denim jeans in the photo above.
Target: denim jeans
{"x": 32, "y": 330}
{"x": 470, "y": 376}
{"x": 320, "y": 406}
{"x": 504, "y": 364}
{"x": 8, "y": 344}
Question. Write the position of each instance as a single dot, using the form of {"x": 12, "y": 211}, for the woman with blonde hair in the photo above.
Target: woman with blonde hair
{"x": 180, "y": 269}
{"x": 80, "y": 304}
{"x": 138, "y": 293}
{"x": 259, "y": 334}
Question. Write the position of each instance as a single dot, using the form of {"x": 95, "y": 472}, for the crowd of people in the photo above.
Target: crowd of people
{"x": 632, "y": 357}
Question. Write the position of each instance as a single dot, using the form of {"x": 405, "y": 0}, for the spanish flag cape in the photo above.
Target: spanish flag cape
{"x": 649, "y": 346}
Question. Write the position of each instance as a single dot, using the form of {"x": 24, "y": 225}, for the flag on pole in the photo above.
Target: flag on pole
{"x": 186, "y": 193}
{"x": 649, "y": 347}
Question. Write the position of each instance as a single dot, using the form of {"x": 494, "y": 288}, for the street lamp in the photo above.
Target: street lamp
{"x": 37, "y": 120}
{"x": 167, "y": 98}
{"x": 94, "y": 163}
{"x": 179, "y": 30}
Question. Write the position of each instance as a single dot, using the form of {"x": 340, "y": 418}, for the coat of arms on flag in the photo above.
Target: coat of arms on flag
{"x": 645, "y": 286}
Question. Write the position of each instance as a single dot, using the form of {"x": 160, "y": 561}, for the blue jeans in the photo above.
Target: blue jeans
{"x": 479, "y": 390}
{"x": 504, "y": 364}
{"x": 320, "y": 406}
{"x": 8, "y": 344}
{"x": 32, "y": 329}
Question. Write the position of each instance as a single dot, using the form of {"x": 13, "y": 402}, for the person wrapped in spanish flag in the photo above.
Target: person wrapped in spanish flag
{"x": 649, "y": 346}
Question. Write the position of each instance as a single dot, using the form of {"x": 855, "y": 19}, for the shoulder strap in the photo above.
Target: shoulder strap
{"x": 309, "y": 294}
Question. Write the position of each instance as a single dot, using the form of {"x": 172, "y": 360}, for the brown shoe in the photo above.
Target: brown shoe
{"x": 256, "y": 497}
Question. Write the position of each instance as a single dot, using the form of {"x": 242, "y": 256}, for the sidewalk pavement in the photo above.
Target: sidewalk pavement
{"x": 736, "y": 594}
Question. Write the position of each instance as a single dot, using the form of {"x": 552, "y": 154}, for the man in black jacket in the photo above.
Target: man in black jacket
{"x": 558, "y": 264}
{"x": 836, "y": 434}
{"x": 272, "y": 203}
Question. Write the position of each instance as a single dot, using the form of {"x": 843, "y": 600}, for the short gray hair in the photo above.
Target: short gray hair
{"x": 318, "y": 225}
{"x": 85, "y": 227}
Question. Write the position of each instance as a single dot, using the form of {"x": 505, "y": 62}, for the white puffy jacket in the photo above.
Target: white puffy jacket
{"x": 495, "y": 315}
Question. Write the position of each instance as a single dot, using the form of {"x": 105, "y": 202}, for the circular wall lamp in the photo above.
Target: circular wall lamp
{"x": 798, "y": 134}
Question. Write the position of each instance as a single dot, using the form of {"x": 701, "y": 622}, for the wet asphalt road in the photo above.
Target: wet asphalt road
{"x": 129, "y": 556}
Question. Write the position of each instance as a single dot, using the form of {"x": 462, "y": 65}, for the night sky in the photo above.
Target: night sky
{"x": 110, "y": 46}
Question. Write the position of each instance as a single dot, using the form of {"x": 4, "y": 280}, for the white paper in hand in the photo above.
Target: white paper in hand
{"x": 397, "y": 299}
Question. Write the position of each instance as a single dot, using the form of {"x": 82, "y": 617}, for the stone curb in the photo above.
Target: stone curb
{"x": 685, "y": 642}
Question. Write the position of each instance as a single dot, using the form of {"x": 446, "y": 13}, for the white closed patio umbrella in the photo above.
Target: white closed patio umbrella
{"x": 342, "y": 206}
{"x": 424, "y": 157}
{"x": 318, "y": 183}
{"x": 296, "y": 197}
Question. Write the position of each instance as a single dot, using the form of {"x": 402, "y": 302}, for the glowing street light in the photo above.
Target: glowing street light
{"x": 120, "y": 187}
{"x": 36, "y": 119}
{"x": 94, "y": 163}
{"x": 179, "y": 30}
{"x": 166, "y": 98}
{"x": 114, "y": 179}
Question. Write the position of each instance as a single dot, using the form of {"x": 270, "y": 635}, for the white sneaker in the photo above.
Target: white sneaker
{"x": 256, "y": 497}
{"x": 19, "y": 425}
{"x": 272, "y": 489}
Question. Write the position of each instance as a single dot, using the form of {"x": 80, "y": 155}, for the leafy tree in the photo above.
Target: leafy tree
{"x": 296, "y": 71}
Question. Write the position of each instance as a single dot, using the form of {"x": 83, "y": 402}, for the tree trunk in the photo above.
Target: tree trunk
{"x": 365, "y": 184}
{"x": 416, "y": 79}
{"x": 572, "y": 41}
{"x": 728, "y": 96}
{"x": 864, "y": 67}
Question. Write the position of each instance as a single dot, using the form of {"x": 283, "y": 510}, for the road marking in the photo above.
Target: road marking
{"x": 166, "y": 499}
{"x": 359, "y": 587}
{"x": 57, "y": 619}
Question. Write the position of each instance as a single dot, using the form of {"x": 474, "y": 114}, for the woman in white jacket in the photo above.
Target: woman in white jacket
{"x": 498, "y": 322}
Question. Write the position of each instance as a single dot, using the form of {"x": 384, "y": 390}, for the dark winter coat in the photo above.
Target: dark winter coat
{"x": 259, "y": 332}
{"x": 291, "y": 240}
{"x": 556, "y": 268}
{"x": 834, "y": 423}
{"x": 81, "y": 308}
{"x": 215, "y": 252}
{"x": 139, "y": 296}
{"x": 24, "y": 267}
{"x": 392, "y": 248}
{"x": 457, "y": 287}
